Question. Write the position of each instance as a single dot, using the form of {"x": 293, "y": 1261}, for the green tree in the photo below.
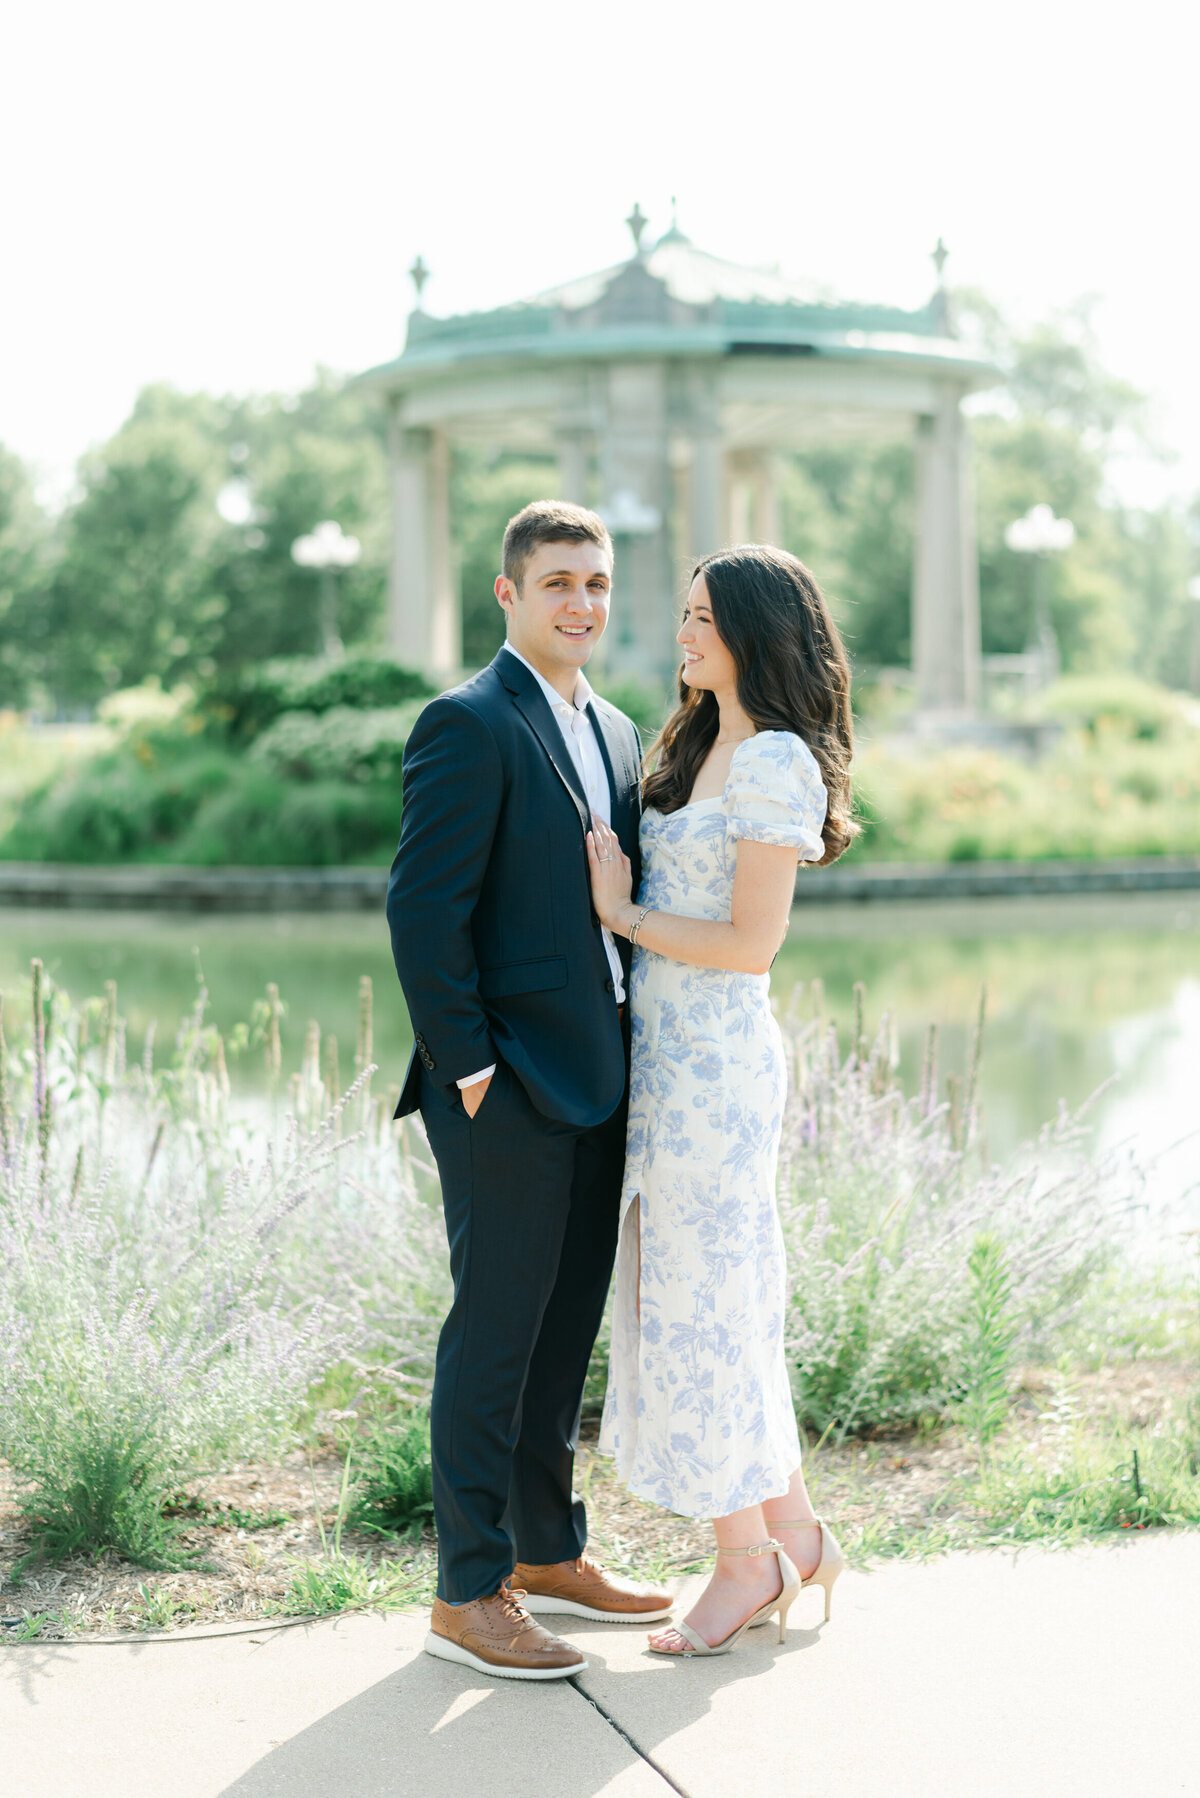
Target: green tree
{"x": 847, "y": 511}
{"x": 24, "y": 557}
{"x": 152, "y": 581}
{"x": 133, "y": 594}
{"x": 320, "y": 455}
{"x": 1117, "y": 599}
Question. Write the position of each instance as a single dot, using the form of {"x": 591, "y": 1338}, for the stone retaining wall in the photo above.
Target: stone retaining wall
{"x": 362, "y": 889}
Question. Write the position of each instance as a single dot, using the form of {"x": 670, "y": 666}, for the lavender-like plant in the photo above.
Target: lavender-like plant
{"x": 149, "y": 1323}
{"x": 883, "y": 1198}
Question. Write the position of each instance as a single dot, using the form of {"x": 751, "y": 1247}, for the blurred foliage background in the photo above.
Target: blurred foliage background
{"x": 161, "y": 644}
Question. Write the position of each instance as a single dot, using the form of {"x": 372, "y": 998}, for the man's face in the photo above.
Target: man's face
{"x": 558, "y": 616}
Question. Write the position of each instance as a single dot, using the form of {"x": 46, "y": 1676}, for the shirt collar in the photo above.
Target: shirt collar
{"x": 583, "y": 692}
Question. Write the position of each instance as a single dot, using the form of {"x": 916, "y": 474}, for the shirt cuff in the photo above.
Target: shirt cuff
{"x": 474, "y": 1079}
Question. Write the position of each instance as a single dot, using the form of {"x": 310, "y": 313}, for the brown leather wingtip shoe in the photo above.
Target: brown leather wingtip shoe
{"x": 497, "y": 1635}
{"x": 583, "y": 1589}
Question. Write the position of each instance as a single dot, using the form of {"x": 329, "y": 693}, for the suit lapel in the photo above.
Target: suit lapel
{"x": 530, "y": 701}
{"x": 622, "y": 775}
{"x": 620, "y": 764}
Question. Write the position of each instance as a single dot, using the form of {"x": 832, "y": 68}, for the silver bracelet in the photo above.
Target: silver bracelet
{"x": 634, "y": 928}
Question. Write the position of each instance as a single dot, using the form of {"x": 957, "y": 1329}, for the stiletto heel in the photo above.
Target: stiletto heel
{"x": 832, "y": 1559}
{"x": 781, "y": 1603}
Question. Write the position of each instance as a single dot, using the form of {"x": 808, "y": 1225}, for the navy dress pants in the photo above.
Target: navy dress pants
{"x": 531, "y": 1216}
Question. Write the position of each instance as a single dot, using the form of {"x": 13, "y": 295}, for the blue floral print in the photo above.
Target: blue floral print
{"x": 698, "y": 1412}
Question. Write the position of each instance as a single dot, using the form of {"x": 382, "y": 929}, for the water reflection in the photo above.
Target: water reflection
{"x": 1079, "y": 990}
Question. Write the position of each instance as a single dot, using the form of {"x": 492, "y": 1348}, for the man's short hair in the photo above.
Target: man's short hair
{"x": 548, "y": 521}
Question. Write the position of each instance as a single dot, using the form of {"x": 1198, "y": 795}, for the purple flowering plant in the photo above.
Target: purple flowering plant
{"x": 175, "y": 1279}
{"x": 897, "y": 1223}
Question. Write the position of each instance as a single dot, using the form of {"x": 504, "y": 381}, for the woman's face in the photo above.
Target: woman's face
{"x": 706, "y": 661}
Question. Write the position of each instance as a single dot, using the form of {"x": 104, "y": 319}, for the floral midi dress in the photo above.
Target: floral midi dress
{"x": 698, "y": 1412}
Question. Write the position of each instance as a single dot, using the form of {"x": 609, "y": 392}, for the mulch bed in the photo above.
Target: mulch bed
{"x": 248, "y": 1527}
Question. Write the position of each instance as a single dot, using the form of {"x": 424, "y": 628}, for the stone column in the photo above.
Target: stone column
{"x": 424, "y": 612}
{"x": 753, "y": 511}
{"x": 572, "y": 448}
{"x": 697, "y": 410}
{"x": 945, "y": 605}
{"x": 767, "y": 519}
{"x": 636, "y": 487}
{"x": 706, "y": 492}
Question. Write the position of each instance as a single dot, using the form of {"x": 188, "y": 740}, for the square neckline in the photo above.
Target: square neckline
{"x": 714, "y": 798}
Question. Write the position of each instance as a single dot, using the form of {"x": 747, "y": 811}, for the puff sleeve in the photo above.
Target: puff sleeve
{"x": 775, "y": 794}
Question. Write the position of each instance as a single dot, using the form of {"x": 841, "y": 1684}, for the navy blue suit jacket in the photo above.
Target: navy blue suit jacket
{"x": 497, "y": 945}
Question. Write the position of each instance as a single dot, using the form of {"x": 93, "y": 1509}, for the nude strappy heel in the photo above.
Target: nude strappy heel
{"x": 832, "y": 1559}
{"x": 782, "y": 1603}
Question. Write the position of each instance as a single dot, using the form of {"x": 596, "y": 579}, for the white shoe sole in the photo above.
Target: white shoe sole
{"x": 566, "y": 1607}
{"x": 445, "y": 1650}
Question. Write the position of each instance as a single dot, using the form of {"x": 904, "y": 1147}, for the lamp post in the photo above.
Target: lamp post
{"x": 327, "y": 549}
{"x": 1040, "y": 534}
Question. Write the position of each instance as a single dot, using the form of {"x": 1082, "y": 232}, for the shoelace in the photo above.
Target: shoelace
{"x": 513, "y": 1609}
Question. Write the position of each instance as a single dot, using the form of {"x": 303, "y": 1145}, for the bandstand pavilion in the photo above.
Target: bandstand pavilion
{"x": 668, "y": 388}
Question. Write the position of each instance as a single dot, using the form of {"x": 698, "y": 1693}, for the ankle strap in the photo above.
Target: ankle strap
{"x": 761, "y": 1548}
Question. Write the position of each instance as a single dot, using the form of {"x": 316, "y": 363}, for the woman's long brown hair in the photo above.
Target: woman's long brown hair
{"x": 792, "y": 674}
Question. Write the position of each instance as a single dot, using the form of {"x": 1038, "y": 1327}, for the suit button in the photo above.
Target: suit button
{"x": 609, "y": 987}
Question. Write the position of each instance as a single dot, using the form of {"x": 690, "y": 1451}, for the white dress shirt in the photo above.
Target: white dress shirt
{"x": 579, "y": 738}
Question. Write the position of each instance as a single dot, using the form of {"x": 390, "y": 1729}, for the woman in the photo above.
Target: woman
{"x": 751, "y": 774}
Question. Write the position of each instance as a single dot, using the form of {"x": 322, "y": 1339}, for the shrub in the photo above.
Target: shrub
{"x": 124, "y": 806}
{"x": 340, "y": 744}
{"x": 989, "y": 1337}
{"x": 885, "y": 1199}
{"x": 261, "y": 820}
{"x": 1112, "y": 796}
{"x": 244, "y": 703}
{"x": 173, "y": 1281}
{"x": 394, "y": 1487}
{"x": 144, "y": 1321}
{"x": 1115, "y": 705}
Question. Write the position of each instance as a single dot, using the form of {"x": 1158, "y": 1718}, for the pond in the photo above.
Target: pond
{"x": 1080, "y": 991}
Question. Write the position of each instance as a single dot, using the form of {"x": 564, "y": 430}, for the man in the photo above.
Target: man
{"x": 519, "y": 1069}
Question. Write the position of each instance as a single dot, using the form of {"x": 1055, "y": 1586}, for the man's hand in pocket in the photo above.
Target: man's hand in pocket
{"x": 472, "y": 1096}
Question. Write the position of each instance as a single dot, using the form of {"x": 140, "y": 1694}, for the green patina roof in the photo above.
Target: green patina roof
{"x": 677, "y": 300}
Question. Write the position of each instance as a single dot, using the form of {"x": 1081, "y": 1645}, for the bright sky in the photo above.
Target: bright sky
{"x": 223, "y": 196}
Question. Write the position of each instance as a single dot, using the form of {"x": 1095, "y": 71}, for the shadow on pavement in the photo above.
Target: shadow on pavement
{"x": 653, "y": 1698}
{"x": 432, "y": 1728}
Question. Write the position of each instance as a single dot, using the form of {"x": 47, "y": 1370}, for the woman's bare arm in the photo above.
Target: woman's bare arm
{"x": 763, "y": 886}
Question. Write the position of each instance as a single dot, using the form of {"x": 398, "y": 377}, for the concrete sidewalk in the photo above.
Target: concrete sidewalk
{"x": 974, "y": 1676}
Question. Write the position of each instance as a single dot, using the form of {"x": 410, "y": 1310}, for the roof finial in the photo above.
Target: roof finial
{"x": 637, "y": 224}
{"x": 418, "y": 274}
{"x": 673, "y": 234}
{"x": 938, "y": 257}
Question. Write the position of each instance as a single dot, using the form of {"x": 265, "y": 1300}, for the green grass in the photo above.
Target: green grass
{"x": 1066, "y": 1478}
{"x": 156, "y": 1609}
{"x": 341, "y": 1581}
